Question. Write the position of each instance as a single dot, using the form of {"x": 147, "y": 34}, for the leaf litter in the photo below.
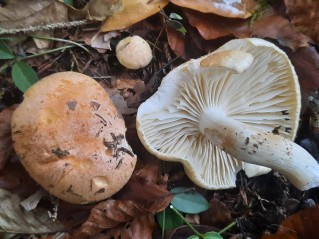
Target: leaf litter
{"x": 132, "y": 212}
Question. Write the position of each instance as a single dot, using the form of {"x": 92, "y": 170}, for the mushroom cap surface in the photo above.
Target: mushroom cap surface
{"x": 134, "y": 52}
{"x": 71, "y": 138}
{"x": 264, "y": 94}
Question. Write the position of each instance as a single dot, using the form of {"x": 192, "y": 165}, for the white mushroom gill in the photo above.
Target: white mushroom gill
{"x": 177, "y": 123}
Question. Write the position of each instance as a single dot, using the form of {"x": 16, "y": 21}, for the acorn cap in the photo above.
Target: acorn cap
{"x": 71, "y": 138}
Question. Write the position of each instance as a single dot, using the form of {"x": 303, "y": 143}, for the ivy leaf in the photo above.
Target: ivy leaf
{"x": 5, "y": 51}
{"x": 23, "y": 76}
{"x": 212, "y": 235}
{"x": 168, "y": 219}
{"x": 188, "y": 201}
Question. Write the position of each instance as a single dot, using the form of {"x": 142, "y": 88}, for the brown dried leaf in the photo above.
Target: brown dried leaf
{"x": 144, "y": 193}
{"x": 208, "y": 25}
{"x": 301, "y": 225}
{"x": 235, "y": 9}
{"x": 5, "y": 134}
{"x": 96, "y": 10}
{"x": 218, "y": 214}
{"x": 139, "y": 227}
{"x": 148, "y": 188}
{"x": 123, "y": 89}
{"x": 304, "y": 16}
{"x": 176, "y": 42}
{"x": 108, "y": 214}
{"x": 306, "y": 63}
{"x": 15, "y": 179}
{"x": 277, "y": 27}
{"x": 133, "y": 12}
{"x": 32, "y": 12}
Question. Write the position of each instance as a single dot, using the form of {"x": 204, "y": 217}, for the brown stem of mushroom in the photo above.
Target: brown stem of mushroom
{"x": 254, "y": 146}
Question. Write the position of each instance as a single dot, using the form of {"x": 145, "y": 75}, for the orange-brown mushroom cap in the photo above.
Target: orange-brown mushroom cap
{"x": 71, "y": 138}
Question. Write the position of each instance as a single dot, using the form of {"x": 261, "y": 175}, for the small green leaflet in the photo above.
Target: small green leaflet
{"x": 175, "y": 16}
{"x": 188, "y": 201}
{"x": 23, "y": 75}
{"x": 207, "y": 235}
{"x": 172, "y": 220}
{"x": 69, "y": 2}
{"x": 212, "y": 235}
{"x": 177, "y": 26}
{"x": 5, "y": 51}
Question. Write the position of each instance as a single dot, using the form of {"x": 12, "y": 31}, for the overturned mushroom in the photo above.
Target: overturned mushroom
{"x": 227, "y": 106}
{"x": 71, "y": 139}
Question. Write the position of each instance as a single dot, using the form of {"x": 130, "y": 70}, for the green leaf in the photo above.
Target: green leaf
{"x": 177, "y": 26}
{"x": 169, "y": 218}
{"x": 69, "y": 2}
{"x": 23, "y": 76}
{"x": 193, "y": 237}
{"x": 5, "y": 51}
{"x": 175, "y": 16}
{"x": 212, "y": 235}
{"x": 188, "y": 201}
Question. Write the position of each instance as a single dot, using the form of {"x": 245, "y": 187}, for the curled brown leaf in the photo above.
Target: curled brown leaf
{"x": 301, "y": 225}
{"x": 277, "y": 27}
{"x": 305, "y": 16}
{"x": 144, "y": 194}
{"x": 139, "y": 227}
{"x": 148, "y": 188}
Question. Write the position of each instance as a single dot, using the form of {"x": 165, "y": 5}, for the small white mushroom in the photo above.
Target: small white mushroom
{"x": 134, "y": 52}
{"x": 217, "y": 115}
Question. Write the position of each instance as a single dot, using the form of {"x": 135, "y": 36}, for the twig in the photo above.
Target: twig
{"x": 42, "y": 27}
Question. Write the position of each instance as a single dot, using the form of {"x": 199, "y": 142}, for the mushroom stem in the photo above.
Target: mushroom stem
{"x": 254, "y": 146}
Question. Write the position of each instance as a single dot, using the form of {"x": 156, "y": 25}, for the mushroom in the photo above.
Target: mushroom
{"x": 235, "y": 108}
{"x": 71, "y": 138}
{"x": 134, "y": 52}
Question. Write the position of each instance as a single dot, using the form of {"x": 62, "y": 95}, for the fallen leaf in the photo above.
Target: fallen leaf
{"x": 301, "y": 225}
{"x": 31, "y": 13}
{"x": 15, "y": 179}
{"x": 148, "y": 188}
{"x": 97, "y": 10}
{"x": 176, "y": 41}
{"x": 306, "y": 63}
{"x": 208, "y": 25}
{"x": 218, "y": 214}
{"x": 108, "y": 214}
{"x": 277, "y": 27}
{"x": 101, "y": 42}
{"x": 139, "y": 227}
{"x": 6, "y": 147}
{"x": 133, "y": 12}
{"x": 235, "y": 9}
{"x": 144, "y": 193}
{"x": 122, "y": 90}
{"x": 304, "y": 16}
{"x": 15, "y": 219}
